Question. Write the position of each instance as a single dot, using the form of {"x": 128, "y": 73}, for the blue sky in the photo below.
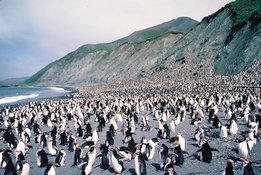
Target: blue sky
{"x": 33, "y": 33}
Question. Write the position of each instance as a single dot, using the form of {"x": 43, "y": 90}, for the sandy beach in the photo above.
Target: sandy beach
{"x": 191, "y": 165}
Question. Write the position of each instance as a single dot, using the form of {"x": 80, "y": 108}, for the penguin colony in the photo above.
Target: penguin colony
{"x": 139, "y": 134}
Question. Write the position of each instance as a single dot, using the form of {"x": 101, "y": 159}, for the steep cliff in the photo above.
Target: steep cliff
{"x": 128, "y": 58}
{"x": 225, "y": 43}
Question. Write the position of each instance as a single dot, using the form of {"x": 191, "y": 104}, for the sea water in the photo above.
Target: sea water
{"x": 16, "y": 95}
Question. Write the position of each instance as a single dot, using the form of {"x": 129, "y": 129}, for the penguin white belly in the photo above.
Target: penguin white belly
{"x": 51, "y": 149}
{"x": 38, "y": 161}
{"x": 182, "y": 143}
{"x": 233, "y": 129}
{"x": 177, "y": 121}
{"x": 25, "y": 169}
{"x": 95, "y": 137}
{"x": 172, "y": 126}
{"x": 125, "y": 155}
{"x": 21, "y": 147}
{"x": 137, "y": 165}
{"x": 51, "y": 171}
{"x": 223, "y": 132}
{"x": 49, "y": 123}
{"x": 242, "y": 149}
{"x": 88, "y": 169}
{"x": 152, "y": 151}
{"x": 115, "y": 164}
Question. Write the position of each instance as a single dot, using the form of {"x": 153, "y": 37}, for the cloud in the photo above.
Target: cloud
{"x": 39, "y": 30}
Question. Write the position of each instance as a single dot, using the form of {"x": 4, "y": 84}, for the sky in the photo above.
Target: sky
{"x": 34, "y": 33}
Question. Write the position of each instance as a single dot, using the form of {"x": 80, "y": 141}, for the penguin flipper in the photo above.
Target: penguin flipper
{"x": 213, "y": 149}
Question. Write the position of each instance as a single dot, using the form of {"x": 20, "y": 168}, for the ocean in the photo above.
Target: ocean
{"x": 18, "y": 95}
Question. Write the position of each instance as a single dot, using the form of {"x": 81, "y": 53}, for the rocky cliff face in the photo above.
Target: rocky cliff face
{"x": 225, "y": 43}
{"x": 128, "y": 58}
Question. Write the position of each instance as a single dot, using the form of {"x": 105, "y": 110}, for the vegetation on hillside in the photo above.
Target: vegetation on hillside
{"x": 245, "y": 10}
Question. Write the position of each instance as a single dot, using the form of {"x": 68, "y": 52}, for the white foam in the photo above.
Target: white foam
{"x": 16, "y": 98}
{"x": 58, "y": 89}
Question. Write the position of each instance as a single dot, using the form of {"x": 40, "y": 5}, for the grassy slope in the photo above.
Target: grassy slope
{"x": 180, "y": 25}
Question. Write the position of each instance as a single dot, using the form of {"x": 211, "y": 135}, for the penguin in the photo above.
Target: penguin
{"x": 166, "y": 132}
{"x": 79, "y": 132}
{"x": 233, "y": 128}
{"x": 182, "y": 142}
{"x": 245, "y": 147}
{"x": 229, "y": 168}
{"x": 125, "y": 153}
{"x": 163, "y": 153}
{"x": 51, "y": 148}
{"x": 89, "y": 161}
{"x": 172, "y": 126}
{"x": 248, "y": 169}
{"x": 25, "y": 137}
{"x": 10, "y": 168}
{"x": 179, "y": 157}
{"x": 63, "y": 138}
{"x": 140, "y": 164}
{"x": 50, "y": 169}
{"x": 109, "y": 138}
{"x": 87, "y": 144}
{"x": 151, "y": 147}
{"x": 21, "y": 147}
{"x": 169, "y": 168}
{"x": 131, "y": 144}
{"x": 25, "y": 168}
{"x": 19, "y": 160}
{"x": 216, "y": 122}
{"x": 95, "y": 136}
{"x": 104, "y": 157}
{"x": 41, "y": 156}
{"x": 198, "y": 133}
{"x": 71, "y": 142}
{"x": 4, "y": 157}
{"x": 60, "y": 158}
{"x": 206, "y": 152}
{"x": 114, "y": 161}
{"x": 77, "y": 154}
{"x": 143, "y": 145}
{"x": 223, "y": 133}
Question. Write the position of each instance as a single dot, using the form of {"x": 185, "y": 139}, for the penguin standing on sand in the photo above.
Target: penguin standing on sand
{"x": 63, "y": 138}
{"x": 60, "y": 158}
{"x": 140, "y": 164}
{"x": 233, "y": 128}
{"x": 50, "y": 169}
{"x": 89, "y": 161}
{"x": 77, "y": 154}
{"x": 164, "y": 153}
{"x": 4, "y": 158}
{"x": 115, "y": 162}
{"x": 229, "y": 168}
{"x": 10, "y": 168}
{"x": 125, "y": 153}
{"x": 169, "y": 168}
{"x": 151, "y": 147}
{"x": 52, "y": 149}
{"x": 42, "y": 159}
{"x": 179, "y": 157}
{"x": 223, "y": 133}
{"x": 104, "y": 157}
{"x": 25, "y": 168}
{"x": 248, "y": 169}
{"x": 206, "y": 152}
{"x": 245, "y": 147}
